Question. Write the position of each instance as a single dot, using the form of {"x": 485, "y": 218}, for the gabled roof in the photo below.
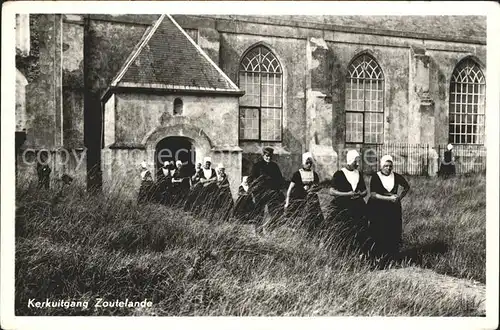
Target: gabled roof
{"x": 167, "y": 58}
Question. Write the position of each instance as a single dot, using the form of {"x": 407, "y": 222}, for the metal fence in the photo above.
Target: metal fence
{"x": 467, "y": 158}
{"x": 422, "y": 159}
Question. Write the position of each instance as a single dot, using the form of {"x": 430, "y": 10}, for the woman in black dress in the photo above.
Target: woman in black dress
{"x": 386, "y": 224}
{"x": 244, "y": 204}
{"x": 202, "y": 193}
{"x": 224, "y": 203}
{"x": 346, "y": 213}
{"x": 147, "y": 185}
{"x": 447, "y": 168}
{"x": 180, "y": 184}
{"x": 164, "y": 182}
{"x": 302, "y": 205}
{"x": 43, "y": 170}
{"x": 193, "y": 189}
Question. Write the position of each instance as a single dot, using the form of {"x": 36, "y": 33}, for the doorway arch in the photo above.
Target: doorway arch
{"x": 174, "y": 148}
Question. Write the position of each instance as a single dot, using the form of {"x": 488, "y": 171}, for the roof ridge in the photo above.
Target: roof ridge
{"x": 137, "y": 50}
{"x": 202, "y": 52}
{"x": 154, "y": 61}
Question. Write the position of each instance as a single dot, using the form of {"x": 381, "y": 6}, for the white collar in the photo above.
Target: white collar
{"x": 352, "y": 177}
{"x": 387, "y": 180}
{"x": 306, "y": 176}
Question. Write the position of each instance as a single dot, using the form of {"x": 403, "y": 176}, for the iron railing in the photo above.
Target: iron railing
{"x": 423, "y": 159}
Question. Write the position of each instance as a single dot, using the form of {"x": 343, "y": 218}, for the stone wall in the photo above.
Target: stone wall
{"x": 314, "y": 55}
{"x": 292, "y": 56}
{"x": 43, "y": 93}
{"x": 442, "y": 66}
{"x": 137, "y": 115}
{"x": 315, "y": 62}
{"x": 21, "y": 83}
{"x": 62, "y": 161}
{"x": 394, "y": 64}
{"x": 54, "y": 98}
{"x": 72, "y": 80}
{"x": 141, "y": 120}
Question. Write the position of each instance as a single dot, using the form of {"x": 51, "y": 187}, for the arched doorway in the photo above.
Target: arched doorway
{"x": 176, "y": 148}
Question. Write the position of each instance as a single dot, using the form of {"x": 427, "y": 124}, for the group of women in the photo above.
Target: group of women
{"x": 205, "y": 193}
{"x": 354, "y": 218}
{"x": 372, "y": 222}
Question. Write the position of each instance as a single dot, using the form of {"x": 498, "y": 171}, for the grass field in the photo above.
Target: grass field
{"x": 82, "y": 247}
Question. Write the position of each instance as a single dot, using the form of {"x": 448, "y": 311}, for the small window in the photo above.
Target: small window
{"x": 178, "y": 107}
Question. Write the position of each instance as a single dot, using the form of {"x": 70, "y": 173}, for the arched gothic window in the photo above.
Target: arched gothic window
{"x": 364, "y": 101}
{"x": 261, "y": 108}
{"x": 467, "y": 104}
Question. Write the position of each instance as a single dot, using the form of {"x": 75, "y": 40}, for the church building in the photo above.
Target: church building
{"x": 102, "y": 93}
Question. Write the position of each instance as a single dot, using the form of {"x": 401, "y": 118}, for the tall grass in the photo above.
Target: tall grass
{"x": 72, "y": 245}
{"x": 445, "y": 225}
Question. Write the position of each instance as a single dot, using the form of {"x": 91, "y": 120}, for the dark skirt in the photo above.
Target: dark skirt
{"x": 305, "y": 212}
{"x": 204, "y": 199}
{"x": 161, "y": 191}
{"x": 447, "y": 170}
{"x": 178, "y": 193}
{"x": 386, "y": 226}
{"x": 44, "y": 183}
{"x": 146, "y": 192}
{"x": 274, "y": 200}
{"x": 244, "y": 208}
{"x": 223, "y": 205}
{"x": 346, "y": 225}
{"x": 192, "y": 197}
{"x": 354, "y": 208}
